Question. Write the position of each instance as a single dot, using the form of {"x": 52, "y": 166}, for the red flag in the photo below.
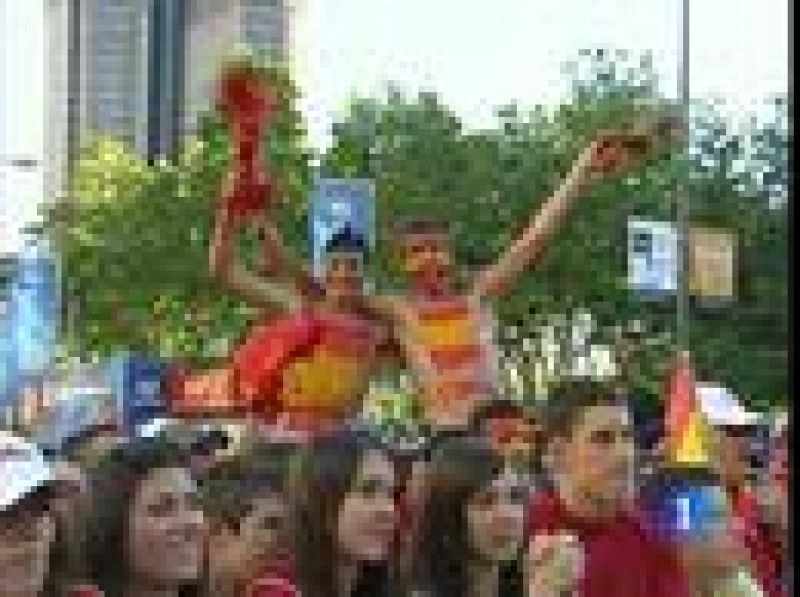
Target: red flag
{"x": 680, "y": 400}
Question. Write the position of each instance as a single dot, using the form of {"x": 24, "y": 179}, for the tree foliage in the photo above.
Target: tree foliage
{"x": 487, "y": 183}
{"x": 134, "y": 241}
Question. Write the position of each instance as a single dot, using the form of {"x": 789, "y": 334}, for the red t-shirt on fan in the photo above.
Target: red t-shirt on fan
{"x": 621, "y": 559}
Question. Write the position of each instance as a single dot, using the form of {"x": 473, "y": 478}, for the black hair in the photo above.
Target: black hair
{"x": 115, "y": 482}
{"x": 346, "y": 240}
{"x": 230, "y": 487}
{"x": 569, "y": 401}
{"x": 460, "y": 466}
{"x": 323, "y": 475}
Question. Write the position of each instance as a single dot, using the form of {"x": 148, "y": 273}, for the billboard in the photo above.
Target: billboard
{"x": 338, "y": 203}
{"x": 652, "y": 257}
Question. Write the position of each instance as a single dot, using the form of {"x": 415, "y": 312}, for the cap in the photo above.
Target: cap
{"x": 721, "y": 408}
{"x": 23, "y": 469}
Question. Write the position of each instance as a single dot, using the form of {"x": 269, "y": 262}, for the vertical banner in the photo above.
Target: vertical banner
{"x": 338, "y": 203}
{"x": 652, "y": 257}
{"x": 137, "y": 383}
{"x": 34, "y": 312}
{"x": 712, "y": 264}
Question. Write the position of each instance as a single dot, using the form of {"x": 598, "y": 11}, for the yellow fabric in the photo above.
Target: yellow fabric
{"x": 443, "y": 333}
{"x": 321, "y": 381}
{"x": 691, "y": 448}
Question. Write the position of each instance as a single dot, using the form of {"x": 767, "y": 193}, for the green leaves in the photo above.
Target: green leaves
{"x": 134, "y": 241}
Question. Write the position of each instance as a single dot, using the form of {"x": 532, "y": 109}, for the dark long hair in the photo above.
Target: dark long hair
{"x": 459, "y": 468}
{"x": 115, "y": 482}
{"x": 38, "y": 503}
{"x": 323, "y": 475}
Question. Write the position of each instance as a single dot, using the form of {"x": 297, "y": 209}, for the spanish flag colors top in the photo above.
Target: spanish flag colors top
{"x": 307, "y": 370}
{"x": 452, "y": 351}
{"x": 687, "y": 430}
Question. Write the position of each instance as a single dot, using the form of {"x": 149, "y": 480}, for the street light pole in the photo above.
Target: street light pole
{"x": 681, "y": 203}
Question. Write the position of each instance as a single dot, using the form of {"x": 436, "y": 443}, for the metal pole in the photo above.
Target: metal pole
{"x": 681, "y": 203}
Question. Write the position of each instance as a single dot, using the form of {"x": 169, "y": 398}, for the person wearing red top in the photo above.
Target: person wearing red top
{"x": 588, "y": 536}
{"x": 306, "y": 370}
{"x": 734, "y": 465}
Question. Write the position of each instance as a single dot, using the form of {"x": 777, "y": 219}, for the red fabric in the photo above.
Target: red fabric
{"x": 251, "y": 191}
{"x": 680, "y": 402}
{"x": 763, "y": 547}
{"x": 84, "y": 591}
{"x": 621, "y": 559}
{"x": 260, "y": 360}
{"x": 276, "y": 579}
{"x": 257, "y": 363}
{"x": 245, "y": 101}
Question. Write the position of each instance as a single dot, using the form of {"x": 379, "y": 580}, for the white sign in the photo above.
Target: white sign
{"x": 652, "y": 257}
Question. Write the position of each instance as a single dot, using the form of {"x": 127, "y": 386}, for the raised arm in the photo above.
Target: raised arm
{"x": 277, "y": 262}
{"x": 225, "y": 267}
{"x": 602, "y": 156}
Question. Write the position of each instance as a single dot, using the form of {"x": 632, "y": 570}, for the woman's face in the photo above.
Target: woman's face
{"x": 261, "y": 534}
{"x": 495, "y": 517}
{"x": 165, "y": 529}
{"x": 367, "y": 517}
{"x": 263, "y": 528}
{"x": 26, "y": 536}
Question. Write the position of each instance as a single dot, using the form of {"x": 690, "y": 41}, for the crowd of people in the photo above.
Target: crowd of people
{"x": 313, "y": 501}
{"x": 181, "y": 512}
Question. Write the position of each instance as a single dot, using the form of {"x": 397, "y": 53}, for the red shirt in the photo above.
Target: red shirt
{"x": 620, "y": 558}
{"x": 763, "y": 547}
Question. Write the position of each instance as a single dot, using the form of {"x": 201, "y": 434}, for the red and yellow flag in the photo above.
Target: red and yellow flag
{"x": 687, "y": 430}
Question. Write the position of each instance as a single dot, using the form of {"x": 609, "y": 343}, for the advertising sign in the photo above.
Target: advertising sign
{"x": 338, "y": 204}
{"x": 138, "y": 386}
{"x": 712, "y": 264}
{"x": 652, "y": 257}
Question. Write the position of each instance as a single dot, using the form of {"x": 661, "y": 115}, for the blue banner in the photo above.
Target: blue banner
{"x": 137, "y": 381}
{"x": 338, "y": 203}
{"x": 34, "y": 313}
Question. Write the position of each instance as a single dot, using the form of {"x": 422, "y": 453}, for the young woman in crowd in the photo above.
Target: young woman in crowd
{"x": 247, "y": 507}
{"x": 145, "y": 530}
{"x": 472, "y": 523}
{"x": 29, "y": 553}
{"x": 343, "y": 521}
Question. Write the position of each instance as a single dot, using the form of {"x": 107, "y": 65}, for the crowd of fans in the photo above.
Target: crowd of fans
{"x": 564, "y": 511}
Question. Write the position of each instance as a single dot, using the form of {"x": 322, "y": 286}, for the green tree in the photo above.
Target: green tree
{"x": 133, "y": 240}
{"x": 486, "y": 183}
